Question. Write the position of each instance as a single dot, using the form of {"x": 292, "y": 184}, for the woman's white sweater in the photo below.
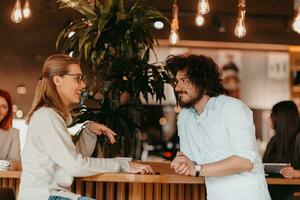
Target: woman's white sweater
{"x": 50, "y": 159}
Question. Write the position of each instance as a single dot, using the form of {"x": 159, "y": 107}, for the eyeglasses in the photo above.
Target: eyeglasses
{"x": 78, "y": 77}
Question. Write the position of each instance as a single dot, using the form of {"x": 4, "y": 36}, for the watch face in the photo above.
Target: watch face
{"x": 198, "y": 167}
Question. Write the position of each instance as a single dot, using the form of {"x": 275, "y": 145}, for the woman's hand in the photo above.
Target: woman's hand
{"x": 137, "y": 168}
{"x": 290, "y": 172}
{"x": 100, "y": 129}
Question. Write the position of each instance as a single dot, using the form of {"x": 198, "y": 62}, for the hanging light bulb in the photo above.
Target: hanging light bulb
{"x": 199, "y": 20}
{"x": 26, "y": 10}
{"x": 296, "y": 22}
{"x": 203, "y": 7}
{"x": 174, "y": 35}
{"x": 16, "y": 15}
{"x": 240, "y": 28}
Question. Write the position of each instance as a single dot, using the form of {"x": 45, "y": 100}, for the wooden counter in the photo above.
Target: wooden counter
{"x": 120, "y": 186}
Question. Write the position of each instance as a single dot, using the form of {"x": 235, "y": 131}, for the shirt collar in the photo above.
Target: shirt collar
{"x": 210, "y": 105}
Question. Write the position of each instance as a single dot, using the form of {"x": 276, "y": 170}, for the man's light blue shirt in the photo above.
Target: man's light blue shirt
{"x": 225, "y": 128}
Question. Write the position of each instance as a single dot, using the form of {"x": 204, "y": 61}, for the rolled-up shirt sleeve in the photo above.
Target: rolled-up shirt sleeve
{"x": 241, "y": 131}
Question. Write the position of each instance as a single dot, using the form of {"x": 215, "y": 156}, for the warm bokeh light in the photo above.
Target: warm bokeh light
{"x": 240, "y": 28}
{"x": 296, "y": 22}
{"x": 163, "y": 121}
{"x": 203, "y": 7}
{"x": 174, "y": 37}
{"x": 19, "y": 114}
{"x": 26, "y": 10}
{"x": 199, "y": 20}
{"x": 16, "y": 15}
{"x": 158, "y": 25}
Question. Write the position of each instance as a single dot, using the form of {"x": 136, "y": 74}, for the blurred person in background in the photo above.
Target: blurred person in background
{"x": 284, "y": 147}
{"x": 9, "y": 136}
{"x": 230, "y": 79}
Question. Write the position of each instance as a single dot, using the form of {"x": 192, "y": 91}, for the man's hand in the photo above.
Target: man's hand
{"x": 100, "y": 129}
{"x": 183, "y": 165}
{"x": 290, "y": 172}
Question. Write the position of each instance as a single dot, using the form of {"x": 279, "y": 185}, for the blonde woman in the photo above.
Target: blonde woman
{"x": 50, "y": 160}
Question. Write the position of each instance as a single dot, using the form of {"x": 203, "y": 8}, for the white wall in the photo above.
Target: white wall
{"x": 263, "y": 74}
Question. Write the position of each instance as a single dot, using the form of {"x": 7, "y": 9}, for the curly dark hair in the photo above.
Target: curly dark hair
{"x": 201, "y": 71}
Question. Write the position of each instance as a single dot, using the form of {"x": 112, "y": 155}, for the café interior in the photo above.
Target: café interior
{"x": 256, "y": 45}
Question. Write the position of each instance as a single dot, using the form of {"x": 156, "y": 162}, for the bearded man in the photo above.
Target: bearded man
{"x": 217, "y": 134}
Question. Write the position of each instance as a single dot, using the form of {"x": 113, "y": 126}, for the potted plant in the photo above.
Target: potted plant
{"x": 115, "y": 44}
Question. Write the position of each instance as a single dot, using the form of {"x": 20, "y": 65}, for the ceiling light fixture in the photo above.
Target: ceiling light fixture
{"x": 240, "y": 28}
{"x": 174, "y": 34}
{"x": 203, "y": 7}
{"x": 16, "y": 15}
{"x": 26, "y": 10}
{"x": 199, "y": 20}
{"x": 296, "y": 22}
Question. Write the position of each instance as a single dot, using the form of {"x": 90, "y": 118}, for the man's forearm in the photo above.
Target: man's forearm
{"x": 228, "y": 166}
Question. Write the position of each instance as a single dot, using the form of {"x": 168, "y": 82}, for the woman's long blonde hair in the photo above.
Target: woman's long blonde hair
{"x": 46, "y": 93}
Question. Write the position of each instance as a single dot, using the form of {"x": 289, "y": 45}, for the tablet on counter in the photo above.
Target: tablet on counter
{"x": 274, "y": 167}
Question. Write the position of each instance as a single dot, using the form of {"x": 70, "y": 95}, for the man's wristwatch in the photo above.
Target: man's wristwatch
{"x": 198, "y": 170}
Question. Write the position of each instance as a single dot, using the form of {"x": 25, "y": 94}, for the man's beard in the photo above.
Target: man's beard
{"x": 191, "y": 102}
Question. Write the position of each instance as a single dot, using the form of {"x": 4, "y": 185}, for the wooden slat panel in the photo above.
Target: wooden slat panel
{"x": 99, "y": 191}
{"x": 188, "y": 191}
{"x": 17, "y": 187}
{"x": 173, "y": 191}
{"x": 195, "y": 193}
{"x": 89, "y": 192}
{"x": 157, "y": 191}
{"x": 149, "y": 191}
{"x": 202, "y": 192}
{"x": 165, "y": 192}
{"x": 11, "y": 183}
{"x": 5, "y": 182}
{"x": 181, "y": 192}
{"x": 78, "y": 187}
{"x": 135, "y": 191}
{"x": 121, "y": 191}
{"x": 110, "y": 190}
{"x": 142, "y": 191}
